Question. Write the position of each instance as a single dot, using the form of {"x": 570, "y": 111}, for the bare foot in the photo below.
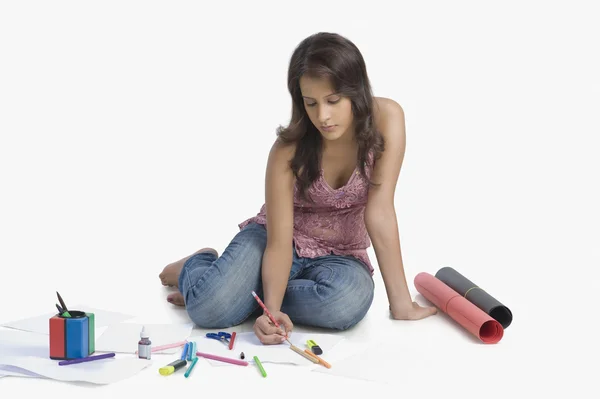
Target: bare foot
{"x": 176, "y": 299}
{"x": 170, "y": 274}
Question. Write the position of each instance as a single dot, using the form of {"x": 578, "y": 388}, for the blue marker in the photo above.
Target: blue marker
{"x": 185, "y": 350}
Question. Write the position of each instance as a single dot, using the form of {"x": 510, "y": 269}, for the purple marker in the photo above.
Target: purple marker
{"x": 85, "y": 359}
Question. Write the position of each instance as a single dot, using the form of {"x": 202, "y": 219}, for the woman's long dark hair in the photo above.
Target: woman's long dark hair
{"x": 329, "y": 55}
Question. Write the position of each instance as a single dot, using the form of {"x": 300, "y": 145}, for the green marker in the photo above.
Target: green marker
{"x": 66, "y": 314}
{"x": 259, "y": 364}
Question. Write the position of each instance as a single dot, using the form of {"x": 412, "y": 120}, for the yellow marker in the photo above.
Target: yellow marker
{"x": 172, "y": 367}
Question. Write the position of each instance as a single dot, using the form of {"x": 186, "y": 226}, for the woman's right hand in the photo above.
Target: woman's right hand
{"x": 268, "y": 333}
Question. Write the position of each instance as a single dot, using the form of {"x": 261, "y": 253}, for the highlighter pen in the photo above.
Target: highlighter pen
{"x": 172, "y": 367}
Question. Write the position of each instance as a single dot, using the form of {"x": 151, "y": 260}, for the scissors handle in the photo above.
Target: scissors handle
{"x": 221, "y": 336}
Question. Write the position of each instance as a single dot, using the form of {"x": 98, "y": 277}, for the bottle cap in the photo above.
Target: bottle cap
{"x": 144, "y": 334}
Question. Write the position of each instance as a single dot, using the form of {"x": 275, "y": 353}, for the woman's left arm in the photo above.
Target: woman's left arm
{"x": 380, "y": 214}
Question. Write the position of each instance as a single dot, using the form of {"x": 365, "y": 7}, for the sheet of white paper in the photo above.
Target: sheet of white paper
{"x": 251, "y": 346}
{"x": 124, "y": 337}
{"x": 40, "y": 324}
{"x": 363, "y": 362}
{"x": 30, "y": 352}
{"x": 13, "y": 371}
{"x": 105, "y": 371}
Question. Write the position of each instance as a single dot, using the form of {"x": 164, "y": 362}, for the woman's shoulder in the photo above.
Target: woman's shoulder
{"x": 283, "y": 150}
{"x": 386, "y": 109}
{"x": 281, "y": 155}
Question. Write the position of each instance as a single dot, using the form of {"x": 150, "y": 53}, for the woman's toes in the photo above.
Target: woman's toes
{"x": 163, "y": 278}
{"x": 176, "y": 299}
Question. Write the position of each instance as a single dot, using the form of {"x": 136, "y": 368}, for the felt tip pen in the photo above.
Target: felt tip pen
{"x": 86, "y": 359}
{"x": 62, "y": 303}
{"x": 185, "y": 351}
{"x": 189, "y": 370}
{"x": 260, "y": 366}
{"x": 172, "y": 367}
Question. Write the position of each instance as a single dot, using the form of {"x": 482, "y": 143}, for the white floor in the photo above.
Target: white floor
{"x": 430, "y": 357}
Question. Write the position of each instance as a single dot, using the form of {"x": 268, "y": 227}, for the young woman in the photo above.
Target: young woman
{"x": 330, "y": 183}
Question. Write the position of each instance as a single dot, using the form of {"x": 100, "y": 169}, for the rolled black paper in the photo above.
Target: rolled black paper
{"x": 475, "y": 295}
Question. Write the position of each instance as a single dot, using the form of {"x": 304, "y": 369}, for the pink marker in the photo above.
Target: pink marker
{"x": 222, "y": 359}
{"x": 168, "y": 346}
{"x": 262, "y": 305}
{"x": 269, "y": 315}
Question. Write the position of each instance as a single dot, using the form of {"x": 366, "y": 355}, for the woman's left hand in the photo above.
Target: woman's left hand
{"x": 412, "y": 312}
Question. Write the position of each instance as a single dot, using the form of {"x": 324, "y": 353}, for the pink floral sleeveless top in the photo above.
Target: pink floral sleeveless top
{"x": 333, "y": 223}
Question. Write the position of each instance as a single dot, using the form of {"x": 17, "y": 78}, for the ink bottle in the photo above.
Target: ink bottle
{"x": 144, "y": 345}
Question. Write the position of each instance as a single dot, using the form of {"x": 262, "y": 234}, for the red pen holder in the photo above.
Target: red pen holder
{"x": 72, "y": 337}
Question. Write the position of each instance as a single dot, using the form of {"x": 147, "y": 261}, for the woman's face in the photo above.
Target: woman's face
{"x": 328, "y": 111}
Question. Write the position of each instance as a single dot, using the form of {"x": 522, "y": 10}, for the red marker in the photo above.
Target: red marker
{"x": 231, "y": 340}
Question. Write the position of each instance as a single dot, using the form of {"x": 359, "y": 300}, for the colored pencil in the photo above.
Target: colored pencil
{"x": 298, "y": 351}
{"x": 323, "y": 362}
{"x": 264, "y": 307}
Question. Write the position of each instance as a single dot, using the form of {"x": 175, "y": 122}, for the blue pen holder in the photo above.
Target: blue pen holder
{"x": 72, "y": 337}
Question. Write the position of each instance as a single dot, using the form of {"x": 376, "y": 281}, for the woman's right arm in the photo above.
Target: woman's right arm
{"x": 279, "y": 201}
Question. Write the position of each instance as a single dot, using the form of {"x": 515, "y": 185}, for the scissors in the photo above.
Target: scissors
{"x": 220, "y": 336}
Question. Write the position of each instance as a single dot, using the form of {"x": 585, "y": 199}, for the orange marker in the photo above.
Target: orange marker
{"x": 323, "y": 362}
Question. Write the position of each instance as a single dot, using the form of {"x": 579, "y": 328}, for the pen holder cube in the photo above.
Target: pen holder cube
{"x": 72, "y": 337}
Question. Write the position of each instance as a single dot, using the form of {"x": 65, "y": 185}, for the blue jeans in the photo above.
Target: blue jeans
{"x": 332, "y": 291}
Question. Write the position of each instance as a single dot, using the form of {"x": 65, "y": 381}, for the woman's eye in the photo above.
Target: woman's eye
{"x": 330, "y": 102}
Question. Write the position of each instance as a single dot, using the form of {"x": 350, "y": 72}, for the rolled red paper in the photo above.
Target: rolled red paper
{"x": 465, "y": 313}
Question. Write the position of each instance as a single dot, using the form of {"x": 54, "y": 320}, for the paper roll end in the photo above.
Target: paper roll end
{"x": 419, "y": 277}
{"x": 491, "y": 332}
{"x": 503, "y": 315}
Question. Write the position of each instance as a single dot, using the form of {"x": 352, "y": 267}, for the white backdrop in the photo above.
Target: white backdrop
{"x": 133, "y": 133}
